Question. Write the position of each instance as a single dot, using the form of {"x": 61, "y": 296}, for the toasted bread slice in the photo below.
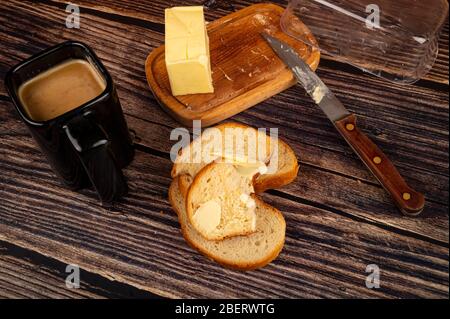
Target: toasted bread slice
{"x": 218, "y": 203}
{"x": 239, "y": 252}
{"x": 234, "y": 139}
{"x": 284, "y": 172}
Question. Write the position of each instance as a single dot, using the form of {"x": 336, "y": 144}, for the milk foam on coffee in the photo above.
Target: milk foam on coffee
{"x": 60, "y": 89}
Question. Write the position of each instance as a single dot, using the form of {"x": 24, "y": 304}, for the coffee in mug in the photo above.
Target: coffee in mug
{"x": 60, "y": 89}
{"x": 69, "y": 102}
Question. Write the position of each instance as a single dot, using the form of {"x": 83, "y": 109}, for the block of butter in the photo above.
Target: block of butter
{"x": 187, "y": 51}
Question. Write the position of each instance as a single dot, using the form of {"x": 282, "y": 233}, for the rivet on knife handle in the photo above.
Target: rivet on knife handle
{"x": 409, "y": 201}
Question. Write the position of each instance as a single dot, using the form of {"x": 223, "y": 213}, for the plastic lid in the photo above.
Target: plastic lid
{"x": 393, "y": 39}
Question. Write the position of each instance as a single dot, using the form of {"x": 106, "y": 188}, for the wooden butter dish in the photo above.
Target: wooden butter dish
{"x": 245, "y": 70}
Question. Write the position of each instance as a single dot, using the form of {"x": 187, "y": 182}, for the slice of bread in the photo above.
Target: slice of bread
{"x": 283, "y": 156}
{"x": 239, "y": 141}
{"x": 218, "y": 203}
{"x": 287, "y": 170}
{"x": 239, "y": 252}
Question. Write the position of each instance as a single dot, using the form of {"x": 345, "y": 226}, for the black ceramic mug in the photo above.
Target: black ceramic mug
{"x": 88, "y": 145}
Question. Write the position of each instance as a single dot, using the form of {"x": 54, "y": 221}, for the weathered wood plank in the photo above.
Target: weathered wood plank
{"x": 138, "y": 241}
{"x": 402, "y": 135}
{"x": 26, "y": 274}
{"x": 21, "y": 278}
{"x": 154, "y": 11}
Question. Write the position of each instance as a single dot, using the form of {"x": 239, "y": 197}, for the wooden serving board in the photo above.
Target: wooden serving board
{"x": 245, "y": 70}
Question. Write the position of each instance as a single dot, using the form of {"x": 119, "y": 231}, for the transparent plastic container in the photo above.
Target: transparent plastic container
{"x": 393, "y": 39}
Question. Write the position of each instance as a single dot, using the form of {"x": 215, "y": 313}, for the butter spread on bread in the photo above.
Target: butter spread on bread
{"x": 223, "y": 184}
{"x": 226, "y": 142}
{"x": 250, "y": 233}
{"x": 282, "y": 165}
{"x": 207, "y": 216}
{"x": 239, "y": 252}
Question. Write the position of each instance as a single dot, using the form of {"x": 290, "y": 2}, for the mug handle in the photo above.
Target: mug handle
{"x": 91, "y": 144}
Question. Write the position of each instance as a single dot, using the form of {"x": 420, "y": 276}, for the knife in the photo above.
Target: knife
{"x": 410, "y": 202}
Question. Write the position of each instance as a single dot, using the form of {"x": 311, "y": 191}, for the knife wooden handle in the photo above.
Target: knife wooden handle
{"x": 409, "y": 201}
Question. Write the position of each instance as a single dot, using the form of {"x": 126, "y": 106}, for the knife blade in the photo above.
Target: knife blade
{"x": 409, "y": 201}
{"x": 313, "y": 85}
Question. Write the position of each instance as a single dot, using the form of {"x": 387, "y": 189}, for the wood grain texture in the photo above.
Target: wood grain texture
{"x": 26, "y": 274}
{"x": 339, "y": 219}
{"x": 407, "y": 123}
{"x": 154, "y": 11}
{"x": 245, "y": 70}
{"x": 20, "y": 279}
{"x": 138, "y": 240}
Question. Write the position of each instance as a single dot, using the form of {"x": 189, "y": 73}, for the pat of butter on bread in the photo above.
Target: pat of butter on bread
{"x": 282, "y": 162}
{"x": 187, "y": 51}
{"x": 251, "y": 170}
{"x": 244, "y": 165}
{"x": 207, "y": 216}
{"x": 250, "y": 233}
{"x": 239, "y": 252}
{"x": 221, "y": 182}
{"x": 260, "y": 150}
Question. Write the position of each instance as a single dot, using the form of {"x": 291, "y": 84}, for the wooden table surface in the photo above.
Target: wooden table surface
{"x": 339, "y": 219}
